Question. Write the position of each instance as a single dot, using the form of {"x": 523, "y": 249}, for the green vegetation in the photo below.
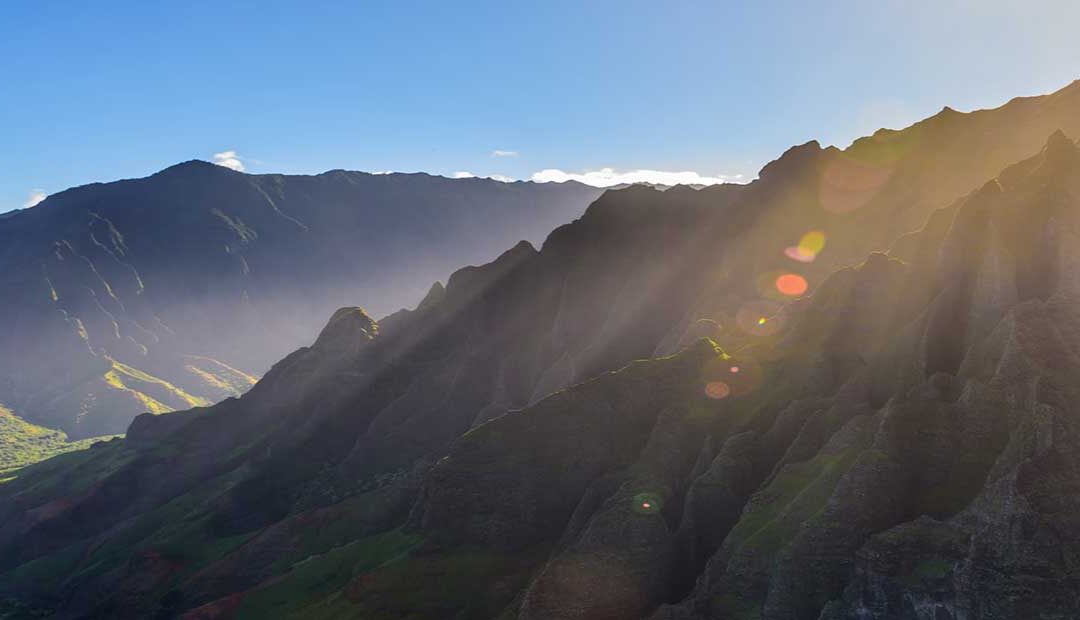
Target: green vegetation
{"x": 351, "y": 522}
{"x": 211, "y": 379}
{"x": 219, "y": 375}
{"x": 934, "y": 568}
{"x": 465, "y": 584}
{"x": 23, "y": 443}
{"x": 156, "y": 395}
{"x": 71, "y": 472}
{"x": 175, "y": 533}
{"x": 320, "y": 576}
{"x": 736, "y": 608}
{"x": 45, "y": 574}
{"x": 798, "y": 494}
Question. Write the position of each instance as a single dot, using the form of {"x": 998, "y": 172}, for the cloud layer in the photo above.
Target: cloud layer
{"x": 229, "y": 159}
{"x": 463, "y": 174}
{"x": 502, "y": 153}
{"x": 606, "y": 177}
{"x": 36, "y": 196}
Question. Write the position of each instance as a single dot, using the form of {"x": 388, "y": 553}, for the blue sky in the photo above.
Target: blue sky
{"x": 98, "y": 91}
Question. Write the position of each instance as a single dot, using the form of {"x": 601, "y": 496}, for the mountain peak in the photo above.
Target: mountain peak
{"x": 434, "y": 295}
{"x": 347, "y": 329}
{"x": 1059, "y": 142}
{"x": 793, "y": 158}
{"x": 1059, "y": 154}
{"x": 193, "y": 166}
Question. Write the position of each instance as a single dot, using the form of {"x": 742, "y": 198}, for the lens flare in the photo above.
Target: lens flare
{"x": 791, "y": 284}
{"x": 726, "y": 377}
{"x": 765, "y": 283}
{"x": 717, "y": 390}
{"x": 812, "y": 242}
{"x": 810, "y": 245}
{"x": 646, "y": 503}
{"x": 760, "y": 318}
{"x": 796, "y": 253}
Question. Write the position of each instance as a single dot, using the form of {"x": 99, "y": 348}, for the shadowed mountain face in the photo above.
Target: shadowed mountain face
{"x": 897, "y": 444}
{"x": 171, "y": 291}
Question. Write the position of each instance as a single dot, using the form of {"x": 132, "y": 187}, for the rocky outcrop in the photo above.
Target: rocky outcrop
{"x": 348, "y": 330}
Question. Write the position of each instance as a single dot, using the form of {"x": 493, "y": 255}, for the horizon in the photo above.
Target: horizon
{"x": 494, "y": 179}
{"x": 605, "y": 178}
{"x": 487, "y": 91}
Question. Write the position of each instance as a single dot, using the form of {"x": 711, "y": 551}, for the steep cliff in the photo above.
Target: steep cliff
{"x": 898, "y": 441}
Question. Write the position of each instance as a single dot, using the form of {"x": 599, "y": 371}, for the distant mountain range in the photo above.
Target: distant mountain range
{"x": 178, "y": 289}
{"x": 845, "y": 390}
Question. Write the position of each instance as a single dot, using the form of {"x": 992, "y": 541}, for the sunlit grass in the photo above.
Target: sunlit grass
{"x": 140, "y": 385}
{"x": 220, "y": 376}
{"x": 23, "y": 443}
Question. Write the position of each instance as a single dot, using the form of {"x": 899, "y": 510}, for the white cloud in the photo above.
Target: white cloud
{"x": 229, "y": 159}
{"x": 502, "y": 153}
{"x": 494, "y": 177}
{"x": 36, "y": 196}
{"x": 606, "y": 177}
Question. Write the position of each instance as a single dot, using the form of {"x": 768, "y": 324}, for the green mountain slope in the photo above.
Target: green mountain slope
{"x": 22, "y": 443}
{"x": 201, "y": 277}
{"x": 899, "y": 440}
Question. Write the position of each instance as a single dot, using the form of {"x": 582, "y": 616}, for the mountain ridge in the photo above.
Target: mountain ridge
{"x": 201, "y": 164}
{"x": 199, "y": 276}
{"x": 485, "y": 439}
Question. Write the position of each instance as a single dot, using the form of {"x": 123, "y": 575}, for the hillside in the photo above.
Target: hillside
{"x": 178, "y": 289}
{"x": 552, "y": 435}
{"x": 22, "y": 443}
